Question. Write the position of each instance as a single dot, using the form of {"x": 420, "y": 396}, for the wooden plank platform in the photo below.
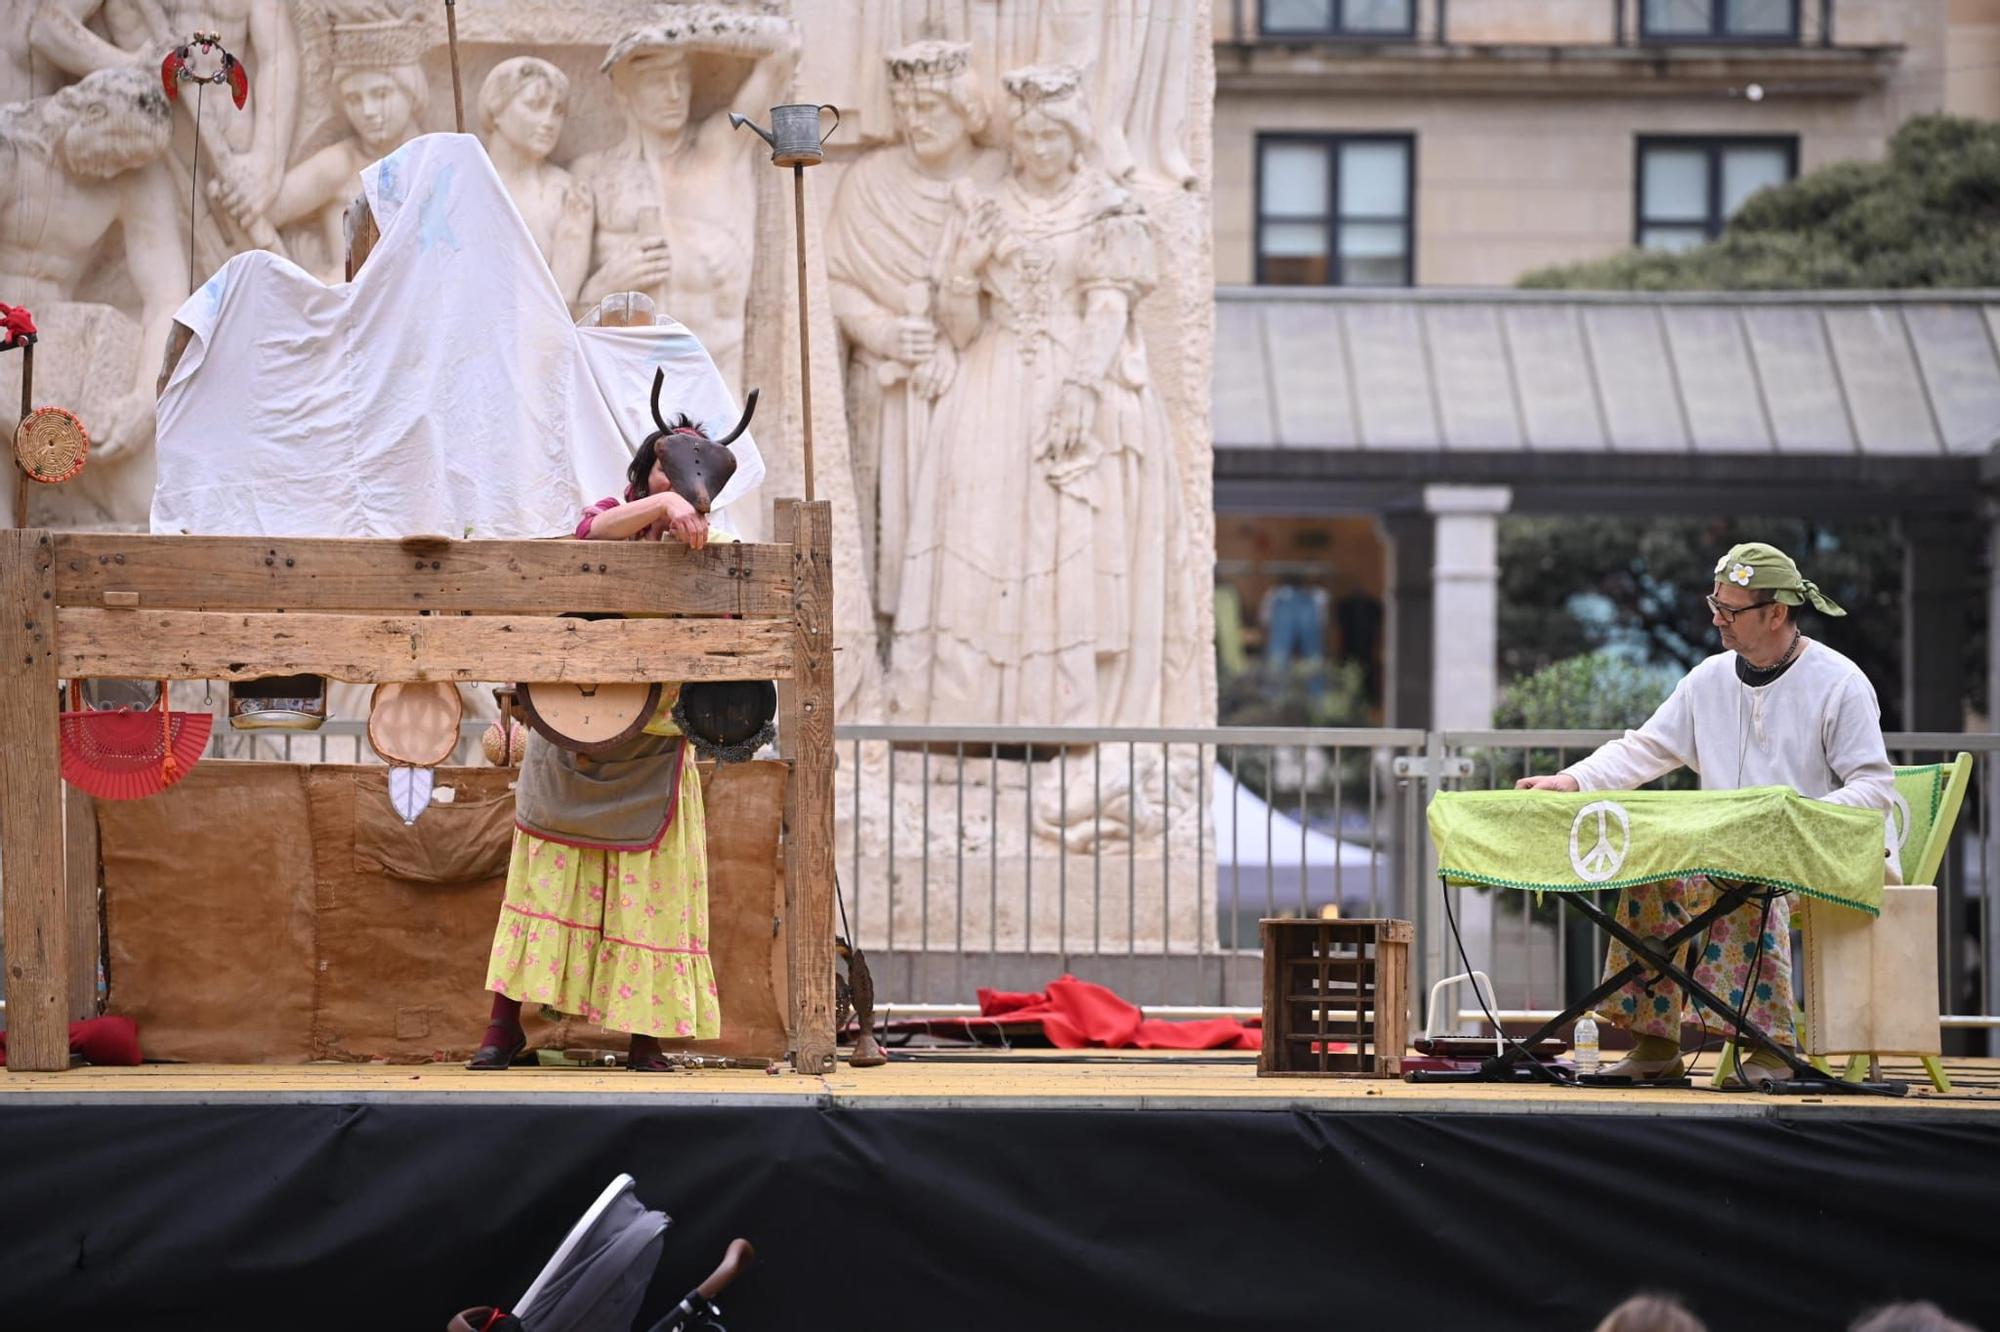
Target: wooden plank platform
{"x": 1068, "y": 1080}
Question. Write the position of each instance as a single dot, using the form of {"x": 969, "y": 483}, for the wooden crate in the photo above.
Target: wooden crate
{"x": 1336, "y": 998}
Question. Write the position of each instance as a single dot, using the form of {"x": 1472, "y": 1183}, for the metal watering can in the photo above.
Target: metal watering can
{"x": 794, "y": 134}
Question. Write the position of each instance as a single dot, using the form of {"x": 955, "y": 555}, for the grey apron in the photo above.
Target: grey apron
{"x": 620, "y": 800}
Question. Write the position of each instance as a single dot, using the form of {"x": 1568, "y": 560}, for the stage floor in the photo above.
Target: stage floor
{"x": 978, "y": 1080}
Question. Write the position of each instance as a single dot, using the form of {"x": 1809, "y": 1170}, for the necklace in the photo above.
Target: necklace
{"x": 1767, "y": 672}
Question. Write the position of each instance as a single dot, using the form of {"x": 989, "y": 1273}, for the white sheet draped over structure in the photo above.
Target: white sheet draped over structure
{"x": 444, "y": 391}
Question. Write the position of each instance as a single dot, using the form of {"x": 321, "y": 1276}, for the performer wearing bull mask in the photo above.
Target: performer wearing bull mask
{"x": 606, "y": 909}
{"x": 1775, "y": 709}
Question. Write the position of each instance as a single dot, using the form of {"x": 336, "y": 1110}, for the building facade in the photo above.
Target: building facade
{"x": 1468, "y": 142}
{"x": 1462, "y": 144}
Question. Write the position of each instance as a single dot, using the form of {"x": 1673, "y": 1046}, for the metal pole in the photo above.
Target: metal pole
{"x": 805, "y": 326}
{"x": 457, "y": 87}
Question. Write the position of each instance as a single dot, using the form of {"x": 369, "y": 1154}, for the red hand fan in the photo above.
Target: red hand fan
{"x": 129, "y": 753}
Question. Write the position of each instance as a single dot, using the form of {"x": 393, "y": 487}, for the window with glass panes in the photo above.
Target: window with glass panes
{"x": 1719, "y": 20}
{"x": 1334, "y": 210}
{"x": 1337, "y": 18}
{"x": 1688, "y": 188}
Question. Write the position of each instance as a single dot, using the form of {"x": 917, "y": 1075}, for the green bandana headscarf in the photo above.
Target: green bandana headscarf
{"x": 1760, "y": 567}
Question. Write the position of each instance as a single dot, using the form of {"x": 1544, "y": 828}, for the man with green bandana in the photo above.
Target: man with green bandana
{"x": 1774, "y": 709}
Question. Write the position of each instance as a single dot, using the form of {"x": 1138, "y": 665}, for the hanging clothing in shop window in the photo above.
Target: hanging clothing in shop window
{"x": 1294, "y": 619}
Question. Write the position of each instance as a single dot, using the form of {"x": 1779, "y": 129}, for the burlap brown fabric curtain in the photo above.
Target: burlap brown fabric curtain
{"x": 280, "y": 913}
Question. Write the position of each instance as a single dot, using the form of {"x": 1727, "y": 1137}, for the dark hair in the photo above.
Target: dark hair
{"x": 638, "y": 476}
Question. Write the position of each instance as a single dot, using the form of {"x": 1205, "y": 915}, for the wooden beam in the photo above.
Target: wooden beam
{"x": 805, "y": 735}
{"x": 206, "y": 645}
{"x": 317, "y": 574}
{"x": 81, "y": 888}
{"x": 32, "y": 913}
{"x": 361, "y": 227}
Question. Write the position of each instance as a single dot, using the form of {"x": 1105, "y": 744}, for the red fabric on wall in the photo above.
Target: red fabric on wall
{"x": 1076, "y": 1014}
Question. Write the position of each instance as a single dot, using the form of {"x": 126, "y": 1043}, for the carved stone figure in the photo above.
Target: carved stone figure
{"x": 881, "y": 241}
{"x": 1045, "y": 580}
{"x": 673, "y": 197}
{"x": 48, "y": 42}
{"x": 381, "y": 90}
{"x": 522, "y": 107}
{"x": 1139, "y": 54}
{"x": 85, "y": 160}
{"x": 243, "y": 152}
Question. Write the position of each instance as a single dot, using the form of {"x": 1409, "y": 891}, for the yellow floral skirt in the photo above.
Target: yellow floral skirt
{"x": 617, "y": 937}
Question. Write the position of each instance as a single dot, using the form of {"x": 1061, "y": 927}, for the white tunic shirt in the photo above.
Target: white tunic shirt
{"x": 1817, "y": 729}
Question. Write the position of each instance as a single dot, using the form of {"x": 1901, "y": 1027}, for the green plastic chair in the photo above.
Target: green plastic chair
{"x": 1932, "y": 794}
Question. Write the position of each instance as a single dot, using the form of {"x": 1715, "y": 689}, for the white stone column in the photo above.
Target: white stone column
{"x": 1465, "y": 640}
{"x": 1465, "y": 607}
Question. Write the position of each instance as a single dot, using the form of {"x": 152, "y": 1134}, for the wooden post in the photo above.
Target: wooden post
{"x": 805, "y": 735}
{"x": 21, "y": 482}
{"x": 362, "y": 233}
{"x": 32, "y": 911}
{"x": 805, "y": 332}
{"x": 457, "y": 86}
{"x": 80, "y": 879}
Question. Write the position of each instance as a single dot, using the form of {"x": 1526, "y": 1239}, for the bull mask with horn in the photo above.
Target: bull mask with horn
{"x": 697, "y": 467}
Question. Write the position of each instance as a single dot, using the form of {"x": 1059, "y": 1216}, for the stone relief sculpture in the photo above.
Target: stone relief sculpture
{"x": 1044, "y": 579}
{"x": 631, "y": 180}
{"x": 245, "y": 151}
{"x": 671, "y": 197}
{"x": 1139, "y": 54}
{"x": 523, "y": 105}
{"x": 382, "y": 92}
{"x": 881, "y": 238}
{"x": 48, "y": 42}
{"x": 87, "y": 160}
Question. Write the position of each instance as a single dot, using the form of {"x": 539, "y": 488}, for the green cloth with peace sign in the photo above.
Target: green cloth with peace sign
{"x": 1573, "y": 842}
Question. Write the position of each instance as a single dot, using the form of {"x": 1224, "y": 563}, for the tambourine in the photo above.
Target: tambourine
{"x": 50, "y": 444}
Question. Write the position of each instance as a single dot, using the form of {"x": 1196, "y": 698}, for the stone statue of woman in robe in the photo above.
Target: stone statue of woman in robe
{"x": 1045, "y": 582}
{"x": 522, "y": 107}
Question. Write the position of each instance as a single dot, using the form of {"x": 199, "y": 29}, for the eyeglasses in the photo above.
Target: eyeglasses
{"x": 1729, "y": 613}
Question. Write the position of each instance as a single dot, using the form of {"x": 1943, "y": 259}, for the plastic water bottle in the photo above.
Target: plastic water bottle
{"x": 1584, "y": 1044}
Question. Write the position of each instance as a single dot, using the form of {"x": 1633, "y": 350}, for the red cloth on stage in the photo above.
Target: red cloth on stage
{"x": 111, "y": 1041}
{"x": 1076, "y": 1014}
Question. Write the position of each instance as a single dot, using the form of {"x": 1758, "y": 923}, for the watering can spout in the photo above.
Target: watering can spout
{"x": 739, "y": 121}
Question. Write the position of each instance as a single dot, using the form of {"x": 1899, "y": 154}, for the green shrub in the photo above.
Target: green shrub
{"x": 1927, "y": 216}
